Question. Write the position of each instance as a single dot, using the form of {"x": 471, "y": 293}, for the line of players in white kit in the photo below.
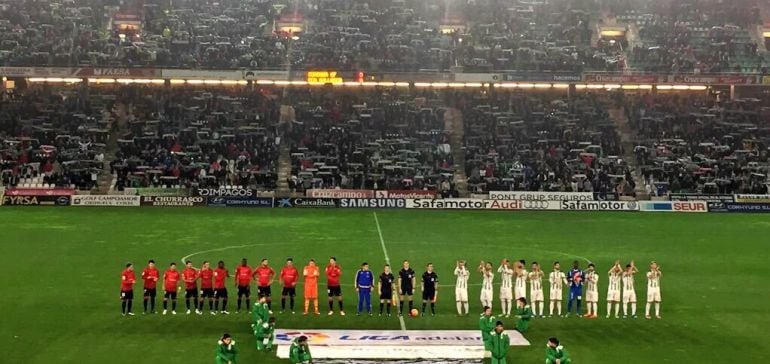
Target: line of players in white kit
{"x": 514, "y": 280}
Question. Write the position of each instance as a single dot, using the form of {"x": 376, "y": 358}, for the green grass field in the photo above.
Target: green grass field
{"x": 62, "y": 273}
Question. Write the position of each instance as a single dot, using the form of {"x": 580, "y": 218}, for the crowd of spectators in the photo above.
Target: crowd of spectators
{"x": 709, "y": 36}
{"x": 192, "y": 137}
{"x": 478, "y": 35}
{"x": 544, "y": 142}
{"x": 378, "y": 139}
{"x": 701, "y": 144}
{"x": 53, "y": 138}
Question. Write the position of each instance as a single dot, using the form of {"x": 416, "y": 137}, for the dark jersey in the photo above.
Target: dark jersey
{"x": 386, "y": 283}
{"x": 406, "y": 278}
{"x": 429, "y": 281}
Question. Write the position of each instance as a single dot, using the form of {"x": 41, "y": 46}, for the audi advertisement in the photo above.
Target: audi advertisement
{"x": 475, "y": 204}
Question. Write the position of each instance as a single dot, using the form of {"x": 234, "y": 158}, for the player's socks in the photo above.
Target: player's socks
{"x": 307, "y": 305}
{"x": 165, "y": 305}
{"x": 239, "y": 303}
{"x": 145, "y": 304}
{"x": 432, "y": 308}
{"x": 283, "y": 303}
{"x": 248, "y": 304}
{"x": 382, "y": 308}
{"x": 224, "y": 305}
{"x": 647, "y": 310}
{"x": 269, "y": 305}
{"x": 423, "y": 307}
{"x": 211, "y": 305}
{"x": 123, "y": 307}
{"x": 173, "y": 305}
{"x": 617, "y": 309}
{"x": 187, "y": 303}
{"x": 558, "y": 308}
{"x": 331, "y": 305}
{"x": 130, "y": 304}
{"x": 318, "y": 309}
{"x": 609, "y": 309}
{"x": 389, "y": 305}
{"x": 657, "y": 309}
{"x": 216, "y": 305}
{"x": 625, "y": 309}
{"x": 411, "y": 306}
{"x": 550, "y": 308}
{"x": 542, "y": 307}
{"x": 465, "y": 307}
{"x": 339, "y": 303}
{"x": 577, "y": 303}
{"x": 459, "y": 308}
{"x": 401, "y": 307}
{"x": 291, "y": 304}
{"x": 152, "y": 305}
{"x": 633, "y": 309}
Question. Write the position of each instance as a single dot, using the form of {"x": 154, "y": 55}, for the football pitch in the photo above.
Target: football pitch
{"x": 61, "y": 278}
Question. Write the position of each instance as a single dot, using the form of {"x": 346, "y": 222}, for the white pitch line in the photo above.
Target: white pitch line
{"x": 387, "y": 260}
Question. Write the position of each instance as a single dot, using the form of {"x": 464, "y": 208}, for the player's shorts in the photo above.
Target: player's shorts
{"x": 629, "y": 296}
{"x": 244, "y": 291}
{"x": 220, "y": 293}
{"x": 506, "y": 294}
{"x": 536, "y": 295}
{"x": 429, "y": 295}
{"x": 191, "y": 293}
{"x": 289, "y": 291}
{"x": 407, "y": 291}
{"x": 487, "y": 295}
{"x": 575, "y": 294}
{"x": 461, "y": 294}
{"x": 335, "y": 291}
{"x": 592, "y": 296}
{"x": 170, "y": 295}
{"x": 264, "y": 291}
{"x": 127, "y": 295}
{"x": 207, "y": 293}
{"x": 150, "y": 292}
{"x": 556, "y": 294}
{"x": 613, "y": 296}
{"x": 386, "y": 295}
{"x": 653, "y": 295}
{"x": 520, "y": 292}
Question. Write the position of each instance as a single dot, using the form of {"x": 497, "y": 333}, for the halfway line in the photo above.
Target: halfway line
{"x": 387, "y": 260}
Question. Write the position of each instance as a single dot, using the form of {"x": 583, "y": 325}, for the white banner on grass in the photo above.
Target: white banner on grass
{"x": 541, "y": 196}
{"x": 369, "y": 338}
{"x": 106, "y": 200}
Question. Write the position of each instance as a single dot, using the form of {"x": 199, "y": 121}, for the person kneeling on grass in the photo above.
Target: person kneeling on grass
{"x": 524, "y": 314}
{"x": 299, "y": 352}
{"x": 555, "y": 353}
{"x": 265, "y": 334}
{"x": 227, "y": 353}
{"x": 499, "y": 343}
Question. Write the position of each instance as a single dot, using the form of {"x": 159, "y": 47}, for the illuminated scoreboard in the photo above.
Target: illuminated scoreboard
{"x": 324, "y": 77}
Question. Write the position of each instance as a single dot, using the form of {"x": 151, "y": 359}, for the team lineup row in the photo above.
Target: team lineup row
{"x": 393, "y": 288}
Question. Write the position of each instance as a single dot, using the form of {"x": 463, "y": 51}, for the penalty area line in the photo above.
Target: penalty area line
{"x": 387, "y": 260}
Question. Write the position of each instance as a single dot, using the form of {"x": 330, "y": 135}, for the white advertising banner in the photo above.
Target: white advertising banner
{"x": 106, "y": 200}
{"x": 475, "y": 204}
{"x": 369, "y": 338}
{"x": 541, "y": 196}
{"x": 600, "y": 205}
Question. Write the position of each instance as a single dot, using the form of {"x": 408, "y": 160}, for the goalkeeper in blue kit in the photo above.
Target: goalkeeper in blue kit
{"x": 575, "y": 278}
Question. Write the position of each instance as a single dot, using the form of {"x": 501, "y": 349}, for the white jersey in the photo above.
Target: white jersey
{"x": 614, "y": 282}
{"x": 486, "y": 284}
{"x": 521, "y": 284}
{"x": 628, "y": 282}
{"x": 536, "y": 286}
{"x": 592, "y": 282}
{"x": 462, "y": 278}
{"x": 653, "y": 280}
{"x": 506, "y": 277}
{"x": 556, "y": 279}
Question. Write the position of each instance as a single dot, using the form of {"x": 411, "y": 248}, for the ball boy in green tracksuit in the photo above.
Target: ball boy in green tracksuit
{"x": 299, "y": 352}
{"x": 260, "y": 313}
{"x": 227, "y": 353}
{"x": 499, "y": 343}
{"x": 487, "y": 326}
{"x": 265, "y": 334}
{"x": 555, "y": 353}
{"x": 524, "y": 314}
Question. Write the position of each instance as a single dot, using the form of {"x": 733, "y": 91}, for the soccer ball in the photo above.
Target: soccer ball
{"x": 414, "y": 312}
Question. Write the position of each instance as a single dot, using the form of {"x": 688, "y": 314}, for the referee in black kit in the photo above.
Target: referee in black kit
{"x": 429, "y": 289}
{"x": 406, "y": 282}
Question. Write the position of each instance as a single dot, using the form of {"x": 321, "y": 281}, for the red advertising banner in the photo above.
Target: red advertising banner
{"x": 716, "y": 79}
{"x": 405, "y": 194}
{"x": 616, "y": 78}
{"x": 118, "y": 72}
{"x": 40, "y": 192}
{"x": 340, "y": 193}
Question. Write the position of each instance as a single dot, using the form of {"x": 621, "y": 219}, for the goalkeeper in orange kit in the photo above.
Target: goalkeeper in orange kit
{"x": 311, "y": 273}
